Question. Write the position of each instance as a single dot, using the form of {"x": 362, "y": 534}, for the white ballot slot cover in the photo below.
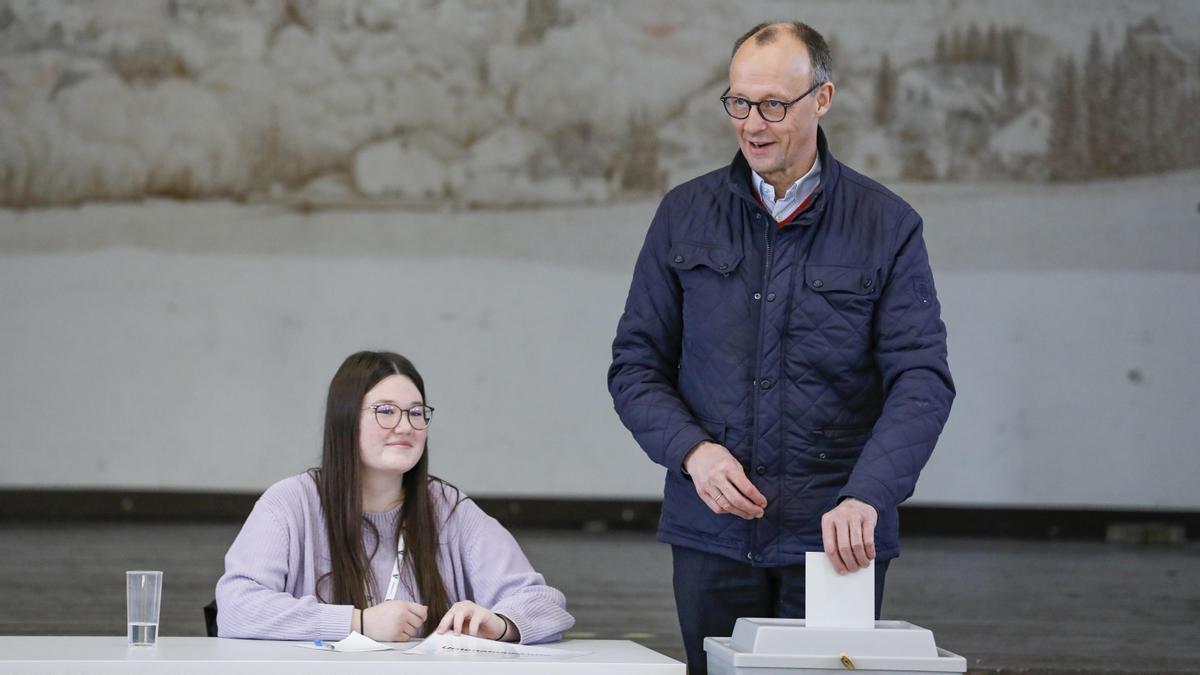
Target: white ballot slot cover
{"x": 840, "y": 634}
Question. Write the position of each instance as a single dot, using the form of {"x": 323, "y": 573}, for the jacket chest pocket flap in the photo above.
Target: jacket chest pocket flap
{"x": 685, "y": 257}
{"x": 842, "y": 279}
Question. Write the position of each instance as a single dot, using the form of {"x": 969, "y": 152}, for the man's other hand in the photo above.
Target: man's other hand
{"x": 721, "y": 482}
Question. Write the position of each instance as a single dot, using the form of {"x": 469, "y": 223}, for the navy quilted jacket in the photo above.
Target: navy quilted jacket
{"x": 815, "y": 352}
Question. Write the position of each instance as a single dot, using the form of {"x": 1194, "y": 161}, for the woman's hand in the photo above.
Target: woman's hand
{"x": 472, "y": 619}
{"x": 392, "y": 621}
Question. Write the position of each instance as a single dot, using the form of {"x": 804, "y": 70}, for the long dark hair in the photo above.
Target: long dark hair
{"x": 339, "y": 483}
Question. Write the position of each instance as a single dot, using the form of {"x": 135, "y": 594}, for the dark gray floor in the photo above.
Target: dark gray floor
{"x": 1008, "y": 606}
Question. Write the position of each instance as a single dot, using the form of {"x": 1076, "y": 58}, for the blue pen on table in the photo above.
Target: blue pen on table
{"x": 324, "y": 645}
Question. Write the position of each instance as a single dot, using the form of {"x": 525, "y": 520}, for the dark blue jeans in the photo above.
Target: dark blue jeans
{"x": 712, "y": 591}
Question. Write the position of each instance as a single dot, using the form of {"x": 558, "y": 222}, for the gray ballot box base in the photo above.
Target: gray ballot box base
{"x": 778, "y": 646}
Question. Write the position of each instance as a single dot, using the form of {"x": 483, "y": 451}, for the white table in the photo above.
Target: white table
{"x": 195, "y": 655}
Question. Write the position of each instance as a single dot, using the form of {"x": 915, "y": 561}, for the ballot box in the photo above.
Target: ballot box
{"x": 779, "y": 646}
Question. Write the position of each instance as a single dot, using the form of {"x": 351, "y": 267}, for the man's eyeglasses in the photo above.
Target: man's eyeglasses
{"x": 771, "y": 110}
{"x": 388, "y": 415}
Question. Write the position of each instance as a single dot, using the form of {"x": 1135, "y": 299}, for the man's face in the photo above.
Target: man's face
{"x": 781, "y": 152}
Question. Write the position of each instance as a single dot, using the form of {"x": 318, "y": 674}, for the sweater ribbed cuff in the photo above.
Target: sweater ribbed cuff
{"x": 334, "y": 621}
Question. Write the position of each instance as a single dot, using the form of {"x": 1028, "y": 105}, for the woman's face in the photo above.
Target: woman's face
{"x": 393, "y": 451}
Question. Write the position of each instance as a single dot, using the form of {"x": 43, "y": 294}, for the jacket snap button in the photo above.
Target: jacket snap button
{"x": 770, "y": 297}
{"x": 678, "y": 258}
{"x": 765, "y": 384}
{"x": 866, "y": 283}
{"x": 724, "y": 266}
{"x": 758, "y": 296}
{"x": 749, "y": 556}
{"x": 817, "y": 283}
{"x": 762, "y": 470}
{"x": 823, "y": 456}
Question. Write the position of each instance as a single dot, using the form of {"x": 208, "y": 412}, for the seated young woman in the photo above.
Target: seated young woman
{"x": 370, "y": 542}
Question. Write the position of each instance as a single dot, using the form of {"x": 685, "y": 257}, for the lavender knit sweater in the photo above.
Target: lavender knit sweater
{"x": 268, "y": 590}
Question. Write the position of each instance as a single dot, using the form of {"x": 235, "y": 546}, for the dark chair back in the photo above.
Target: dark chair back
{"x": 210, "y": 618}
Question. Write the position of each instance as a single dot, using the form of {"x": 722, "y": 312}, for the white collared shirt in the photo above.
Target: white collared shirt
{"x": 794, "y": 197}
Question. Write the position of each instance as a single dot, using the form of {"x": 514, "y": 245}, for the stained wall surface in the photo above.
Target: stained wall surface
{"x": 188, "y": 250}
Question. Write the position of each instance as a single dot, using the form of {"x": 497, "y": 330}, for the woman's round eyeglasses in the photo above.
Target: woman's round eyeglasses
{"x": 388, "y": 415}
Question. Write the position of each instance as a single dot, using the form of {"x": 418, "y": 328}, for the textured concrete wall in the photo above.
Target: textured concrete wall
{"x": 189, "y": 345}
{"x": 335, "y": 162}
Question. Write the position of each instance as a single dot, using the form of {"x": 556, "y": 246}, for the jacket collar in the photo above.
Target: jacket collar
{"x": 741, "y": 185}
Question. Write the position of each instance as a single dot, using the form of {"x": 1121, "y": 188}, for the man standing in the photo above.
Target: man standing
{"x": 781, "y": 353}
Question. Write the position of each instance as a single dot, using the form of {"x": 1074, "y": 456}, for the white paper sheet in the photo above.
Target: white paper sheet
{"x": 451, "y": 644}
{"x": 354, "y": 642}
{"x": 833, "y": 600}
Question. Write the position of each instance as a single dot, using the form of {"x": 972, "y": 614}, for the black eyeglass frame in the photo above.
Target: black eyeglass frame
{"x": 426, "y": 415}
{"x": 725, "y": 98}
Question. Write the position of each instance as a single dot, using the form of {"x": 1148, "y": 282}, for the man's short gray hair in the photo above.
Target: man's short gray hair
{"x": 818, "y": 49}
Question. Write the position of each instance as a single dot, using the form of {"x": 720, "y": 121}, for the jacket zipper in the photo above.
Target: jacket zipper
{"x": 767, "y": 260}
{"x": 762, "y": 320}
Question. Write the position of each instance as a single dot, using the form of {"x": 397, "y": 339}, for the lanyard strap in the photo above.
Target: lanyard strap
{"x": 395, "y": 582}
